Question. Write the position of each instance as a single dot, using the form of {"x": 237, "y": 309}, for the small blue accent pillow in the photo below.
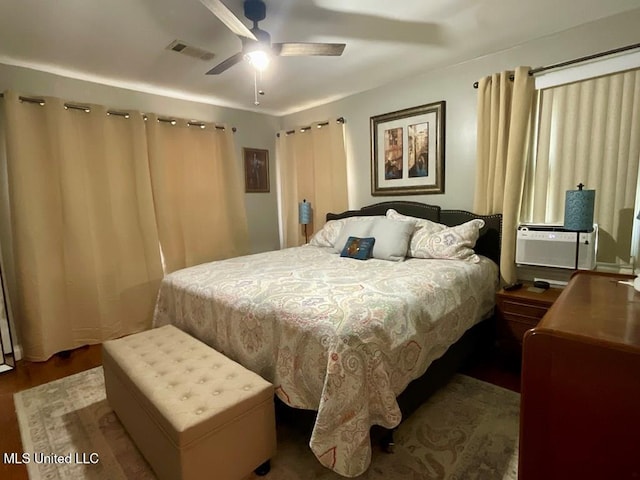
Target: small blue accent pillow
{"x": 358, "y": 248}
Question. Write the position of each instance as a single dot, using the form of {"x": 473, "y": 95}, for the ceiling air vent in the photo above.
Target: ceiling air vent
{"x": 195, "y": 52}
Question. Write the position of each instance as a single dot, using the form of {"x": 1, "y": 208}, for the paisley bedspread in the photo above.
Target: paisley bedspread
{"x": 336, "y": 335}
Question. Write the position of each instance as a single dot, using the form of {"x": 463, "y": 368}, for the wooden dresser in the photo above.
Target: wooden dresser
{"x": 580, "y": 403}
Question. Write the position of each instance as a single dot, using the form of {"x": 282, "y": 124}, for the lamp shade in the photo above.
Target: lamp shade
{"x": 304, "y": 213}
{"x": 578, "y": 209}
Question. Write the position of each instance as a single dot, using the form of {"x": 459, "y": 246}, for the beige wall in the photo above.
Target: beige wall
{"x": 454, "y": 85}
{"x": 254, "y": 130}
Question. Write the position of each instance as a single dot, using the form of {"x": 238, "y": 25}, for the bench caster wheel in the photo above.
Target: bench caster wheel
{"x": 263, "y": 469}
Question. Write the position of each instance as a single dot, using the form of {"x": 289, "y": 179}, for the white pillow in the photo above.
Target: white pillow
{"x": 392, "y": 239}
{"x": 423, "y": 230}
{"x": 358, "y": 228}
{"x": 454, "y": 242}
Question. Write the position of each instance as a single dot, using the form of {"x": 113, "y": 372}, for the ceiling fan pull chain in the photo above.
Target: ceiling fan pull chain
{"x": 255, "y": 88}
{"x": 260, "y": 90}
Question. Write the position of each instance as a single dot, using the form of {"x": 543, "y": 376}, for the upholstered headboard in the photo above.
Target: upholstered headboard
{"x": 490, "y": 236}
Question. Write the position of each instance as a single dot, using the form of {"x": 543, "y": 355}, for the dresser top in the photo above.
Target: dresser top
{"x": 598, "y": 308}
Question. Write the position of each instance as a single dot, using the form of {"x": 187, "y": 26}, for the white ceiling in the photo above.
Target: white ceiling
{"x": 123, "y": 42}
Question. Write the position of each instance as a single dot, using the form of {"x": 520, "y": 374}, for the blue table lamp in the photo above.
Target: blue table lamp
{"x": 578, "y": 213}
{"x": 304, "y": 216}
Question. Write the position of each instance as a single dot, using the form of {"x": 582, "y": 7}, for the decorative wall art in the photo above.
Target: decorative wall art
{"x": 256, "y": 170}
{"x": 407, "y": 151}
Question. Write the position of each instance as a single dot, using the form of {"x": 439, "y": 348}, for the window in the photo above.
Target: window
{"x": 588, "y": 131}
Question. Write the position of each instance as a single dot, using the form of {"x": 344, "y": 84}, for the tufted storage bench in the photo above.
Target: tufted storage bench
{"x": 192, "y": 412}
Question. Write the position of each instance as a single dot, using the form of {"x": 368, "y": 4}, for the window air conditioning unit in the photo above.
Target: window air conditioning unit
{"x": 549, "y": 245}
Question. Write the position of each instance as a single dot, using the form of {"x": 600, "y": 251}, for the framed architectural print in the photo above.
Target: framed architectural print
{"x": 256, "y": 170}
{"x": 407, "y": 151}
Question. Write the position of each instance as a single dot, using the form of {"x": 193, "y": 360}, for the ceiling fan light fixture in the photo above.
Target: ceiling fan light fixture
{"x": 259, "y": 59}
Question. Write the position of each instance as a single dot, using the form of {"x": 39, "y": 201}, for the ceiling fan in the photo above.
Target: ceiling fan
{"x": 256, "y": 43}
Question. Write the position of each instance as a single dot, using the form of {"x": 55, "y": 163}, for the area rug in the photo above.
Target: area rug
{"x": 467, "y": 430}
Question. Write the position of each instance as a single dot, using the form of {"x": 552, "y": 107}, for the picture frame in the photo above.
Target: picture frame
{"x": 256, "y": 170}
{"x": 407, "y": 151}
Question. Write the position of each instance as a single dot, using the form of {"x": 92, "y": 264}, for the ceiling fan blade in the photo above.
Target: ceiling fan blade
{"x": 227, "y": 17}
{"x": 226, "y": 64}
{"x": 291, "y": 49}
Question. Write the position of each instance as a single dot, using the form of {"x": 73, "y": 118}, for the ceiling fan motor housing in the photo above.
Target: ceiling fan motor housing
{"x": 255, "y": 10}
{"x": 263, "y": 39}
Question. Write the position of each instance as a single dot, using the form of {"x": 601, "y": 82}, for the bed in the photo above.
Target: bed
{"x": 339, "y": 336}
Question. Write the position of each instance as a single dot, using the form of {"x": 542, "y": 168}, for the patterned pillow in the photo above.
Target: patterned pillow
{"x": 423, "y": 230}
{"x": 328, "y": 234}
{"x": 358, "y": 248}
{"x": 454, "y": 243}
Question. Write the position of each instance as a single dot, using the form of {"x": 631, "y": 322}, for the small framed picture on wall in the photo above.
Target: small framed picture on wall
{"x": 256, "y": 170}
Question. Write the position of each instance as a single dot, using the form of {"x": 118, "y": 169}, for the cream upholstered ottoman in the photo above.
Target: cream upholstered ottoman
{"x": 192, "y": 412}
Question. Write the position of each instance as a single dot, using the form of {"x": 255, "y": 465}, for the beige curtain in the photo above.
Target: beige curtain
{"x": 287, "y": 179}
{"x": 84, "y": 239}
{"x": 589, "y": 132}
{"x": 504, "y": 120}
{"x": 197, "y": 191}
{"x": 312, "y": 165}
{"x": 6, "y": 243}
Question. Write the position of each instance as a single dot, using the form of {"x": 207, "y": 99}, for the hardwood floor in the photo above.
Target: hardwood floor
{"x": 489, "y": 368}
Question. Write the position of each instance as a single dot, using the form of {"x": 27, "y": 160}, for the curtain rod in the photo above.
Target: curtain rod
{"x": 125, "y": 114}
{"x": 304, "y": 129}
{"x": 586, "y": 58}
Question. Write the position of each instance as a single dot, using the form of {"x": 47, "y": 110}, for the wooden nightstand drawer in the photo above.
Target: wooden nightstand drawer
{"x": 518, "y": 311}
{"x": 514, "y": 328}
{"x": 519, "y": 307}
{"x": 517, "y": 318}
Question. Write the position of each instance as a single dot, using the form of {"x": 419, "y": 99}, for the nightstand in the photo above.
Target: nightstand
{"x": 518, "y": 311}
